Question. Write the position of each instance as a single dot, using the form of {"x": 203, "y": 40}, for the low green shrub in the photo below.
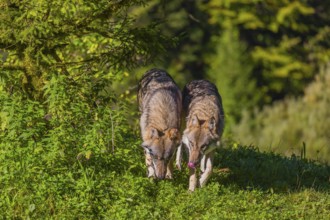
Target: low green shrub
{"x": 296, "y": 126}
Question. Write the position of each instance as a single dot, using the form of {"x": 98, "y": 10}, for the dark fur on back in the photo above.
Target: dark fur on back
{"x": 198, "y": 90}
{"x": 153, "y": 82}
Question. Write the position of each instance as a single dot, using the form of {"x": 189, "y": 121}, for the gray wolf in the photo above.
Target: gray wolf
{"x": 202, "y": 105}
{"x": 160, "y": 104}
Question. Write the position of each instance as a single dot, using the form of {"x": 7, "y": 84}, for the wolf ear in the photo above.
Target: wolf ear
{"x": 151, "y": 133}
{"x": 194, "y": 121}
{"x": 154, "y": 133}
{"x": 212, "y": 124}
{"x": 144, "y": 146}
{"x": 174, "y": 134}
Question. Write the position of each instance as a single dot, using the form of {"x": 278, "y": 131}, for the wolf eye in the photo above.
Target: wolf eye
{"x": 147, "y": 149}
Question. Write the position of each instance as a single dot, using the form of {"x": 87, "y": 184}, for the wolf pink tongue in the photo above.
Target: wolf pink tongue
{"x": 191, "y": 165}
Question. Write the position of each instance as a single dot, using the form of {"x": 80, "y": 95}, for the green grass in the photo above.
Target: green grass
{"x": 246, "y": 184}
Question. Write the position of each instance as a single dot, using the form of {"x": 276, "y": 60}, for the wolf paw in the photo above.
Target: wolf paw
{"x": 168, "y": 176}
{"x": 192, "y": 189}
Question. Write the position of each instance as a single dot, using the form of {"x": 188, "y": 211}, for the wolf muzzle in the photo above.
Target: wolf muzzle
{"x": 191, "y": 165}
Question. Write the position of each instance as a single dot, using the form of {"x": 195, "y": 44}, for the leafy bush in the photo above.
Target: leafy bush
{"x": 294, "y": 126}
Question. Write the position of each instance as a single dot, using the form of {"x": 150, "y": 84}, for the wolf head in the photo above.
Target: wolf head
{"x": 197, "y": 137}
{"x": 160, "y": 145}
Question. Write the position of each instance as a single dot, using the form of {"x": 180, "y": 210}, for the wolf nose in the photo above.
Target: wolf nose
{"x": 191, "y": 165}
{"x": 160, "y": 176}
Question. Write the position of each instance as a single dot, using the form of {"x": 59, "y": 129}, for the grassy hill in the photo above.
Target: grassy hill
{"x": 246, "y": 184}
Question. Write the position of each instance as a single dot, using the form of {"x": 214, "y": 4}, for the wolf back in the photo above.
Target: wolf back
{"x": 158, "y": 82}
{"x": 194, "y": 95}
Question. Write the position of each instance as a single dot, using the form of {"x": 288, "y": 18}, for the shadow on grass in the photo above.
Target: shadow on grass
{"x": 243, "y": 167}
{"x": 247, "y": 167}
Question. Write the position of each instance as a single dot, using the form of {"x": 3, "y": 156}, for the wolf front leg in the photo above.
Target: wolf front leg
{"x": 203, "y": 163}
{"x": 178, "y": 157}
{"x": 150, "y": 169}
{"x": 206, "y": 167}
{"x": 192, "y": 179}
{"x": 169, "y": 171}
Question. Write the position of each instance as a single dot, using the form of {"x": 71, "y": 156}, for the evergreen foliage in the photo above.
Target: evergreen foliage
{"x": 59, "y": 62}
{"x": 188, "y": 21}
{"x": 287, "y": 40}
{"x": 40, "y": 39}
